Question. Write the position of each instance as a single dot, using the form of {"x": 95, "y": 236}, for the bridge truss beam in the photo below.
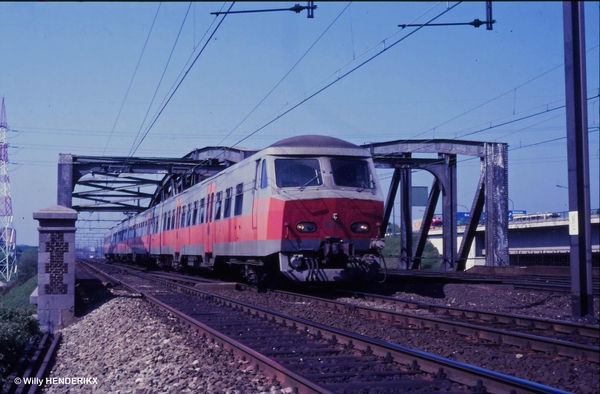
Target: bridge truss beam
{"x": 132, "y": 184}
{"x": 491, "y": 194}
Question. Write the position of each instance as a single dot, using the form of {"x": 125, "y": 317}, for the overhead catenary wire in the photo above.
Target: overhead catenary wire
{"x": 191, "y": 57}
{"x": 354, "y": 57}
{"x": 162, "y": 76}
{"x": 132, "y": 79}
{"x": 339, "y": 77}
{"x": 495, "y": 98}
{"x": 287, "y": 74}
{"x": 135, "y": 148}
{"x": 181, "y": 78}
{"x": 344, "y": 75}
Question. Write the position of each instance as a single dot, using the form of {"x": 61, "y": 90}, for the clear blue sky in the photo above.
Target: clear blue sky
{"x": 66, "y": 69}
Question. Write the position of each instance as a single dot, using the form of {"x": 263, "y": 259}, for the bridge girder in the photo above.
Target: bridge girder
{"x": 491, "y": 193}
{"x": 112, "y": 183}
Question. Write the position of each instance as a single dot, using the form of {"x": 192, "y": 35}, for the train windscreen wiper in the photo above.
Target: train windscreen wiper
{"x": 310, "y": 181}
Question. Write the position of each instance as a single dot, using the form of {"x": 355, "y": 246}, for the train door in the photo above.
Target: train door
{"x": 161, "y": 230}
{"x": 255, "y": 195}
{"x": 210, "y": 233}
{"x": 178, "y": 236}
{"x": 148, "y": 231}
{"x": 260, "y": 183}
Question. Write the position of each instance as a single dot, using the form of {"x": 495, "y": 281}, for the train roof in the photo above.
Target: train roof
{"x": 316, "y": 144}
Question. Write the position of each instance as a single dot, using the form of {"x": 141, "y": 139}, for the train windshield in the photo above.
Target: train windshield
{"x": 298, "y": 173}
{"x": 352, "y": 173}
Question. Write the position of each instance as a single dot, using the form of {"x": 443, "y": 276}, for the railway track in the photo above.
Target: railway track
{"x": 552, "y": 337}
{"x": 33, "y": 366}
{"x": 555, "y": 284}
{"x": 312, "y": 357}
{"x": 548, "y": 327}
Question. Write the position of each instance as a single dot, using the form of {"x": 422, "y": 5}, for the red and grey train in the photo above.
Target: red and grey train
{"x": 308, "y": 207}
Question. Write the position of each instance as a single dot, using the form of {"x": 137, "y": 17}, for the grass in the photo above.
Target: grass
{"x": 17, "y": 326}
{"x": 18, "y": 297}
{"x": 431, "y": 256}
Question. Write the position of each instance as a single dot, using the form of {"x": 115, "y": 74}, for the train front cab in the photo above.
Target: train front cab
{"x": 326, "y": 212}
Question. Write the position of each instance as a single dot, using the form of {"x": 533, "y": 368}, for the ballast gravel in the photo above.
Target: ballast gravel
{"x": 571, "y": 375}
{"x": 129, "y": 346}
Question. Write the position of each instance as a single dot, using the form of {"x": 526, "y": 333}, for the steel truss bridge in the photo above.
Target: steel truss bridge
{"x": 133, "y": 184}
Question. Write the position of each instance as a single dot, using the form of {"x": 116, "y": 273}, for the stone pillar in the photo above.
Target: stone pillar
{"x": 56, "y": 267}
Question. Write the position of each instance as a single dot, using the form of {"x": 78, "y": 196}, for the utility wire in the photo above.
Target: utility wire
{"x": 286, "y": 75}
{"x": 190, "y": 58}
{"x": 593, "y": 130}
{"x": 161, "y": 77}
{"x": 342, "y": 76}
{"x": 514, "y": 121}
{"x": 354, "y": 57}
{"x": 179, "y": 84}
{"x": 495, "y": 98}
{"x": 132, "y": 78}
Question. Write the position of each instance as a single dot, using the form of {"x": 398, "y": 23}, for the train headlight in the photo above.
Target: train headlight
{"x": 306, "y": 227}
{"x": 360, "y": 227}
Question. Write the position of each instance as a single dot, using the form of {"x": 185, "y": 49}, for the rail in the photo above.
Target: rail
{"x": 478, "y": 378}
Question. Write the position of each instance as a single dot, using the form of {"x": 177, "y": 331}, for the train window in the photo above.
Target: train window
{"x": 227, "y": 208}
{"x": 352, "y": 173}
{"x": 189, "y": 215}
{"x": 218, "y": 206}
{"x": 239, "y": 199}
{"x": 183, "y": 216}
{"x": 264, "y": 181}
{"x": 195, "y": 214}
{"x": 201, "y": 214}
{"x": 165, "y": 221}
{"x": 297, "y": 173}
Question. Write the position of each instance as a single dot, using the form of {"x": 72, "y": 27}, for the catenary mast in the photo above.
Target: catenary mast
{"x": 8, "y": 262}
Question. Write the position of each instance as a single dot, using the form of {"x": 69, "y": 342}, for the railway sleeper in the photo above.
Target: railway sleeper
{"x": 296, "y": 352}
{"x": 395, "y": 385}
{"x": 356, "y": 374}
{"x": 268, "y": 342}
{"x": 343, "y": 360}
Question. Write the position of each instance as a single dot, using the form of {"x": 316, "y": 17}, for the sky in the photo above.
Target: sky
{"x": 160, "y": 79}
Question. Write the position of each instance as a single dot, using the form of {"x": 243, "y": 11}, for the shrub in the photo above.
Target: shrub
{"x": 430, "y": 258}
{"x": 17, "y": 329}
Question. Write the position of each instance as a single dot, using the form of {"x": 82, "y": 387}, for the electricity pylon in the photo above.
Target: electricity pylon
{"x": 8, "y": 260}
